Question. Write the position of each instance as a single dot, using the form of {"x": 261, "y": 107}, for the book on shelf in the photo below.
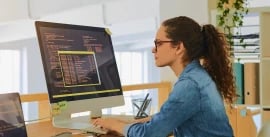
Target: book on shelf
{"x": 251, "y": 83}
{"x": 238, "y": 71}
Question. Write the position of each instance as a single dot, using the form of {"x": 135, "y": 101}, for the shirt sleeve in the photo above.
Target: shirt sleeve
{"x": 182, "y": 104}
{"x": 126, "y": 128}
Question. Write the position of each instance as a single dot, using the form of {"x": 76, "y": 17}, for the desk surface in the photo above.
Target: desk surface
{"x": 46, "y": 129}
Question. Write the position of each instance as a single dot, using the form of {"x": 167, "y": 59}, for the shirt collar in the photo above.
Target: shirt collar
{"x": 190, "y": 66}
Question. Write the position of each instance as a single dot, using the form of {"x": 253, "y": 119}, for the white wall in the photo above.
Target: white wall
{"x": 89, "y": 15}
{"x": 128, "y": 10}
{"x": 13, "y": 10}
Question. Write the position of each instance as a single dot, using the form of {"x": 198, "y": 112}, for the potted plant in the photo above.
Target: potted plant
{"x": 230, "y": 17}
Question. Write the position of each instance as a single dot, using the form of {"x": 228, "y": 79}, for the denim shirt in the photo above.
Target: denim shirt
{"x": 194, "y": 109}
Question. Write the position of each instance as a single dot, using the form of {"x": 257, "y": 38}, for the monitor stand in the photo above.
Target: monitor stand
{"x": 64, "y": 120}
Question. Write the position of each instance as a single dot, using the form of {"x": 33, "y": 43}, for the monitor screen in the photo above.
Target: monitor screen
{"x": 11, "y": 116}
{"x": 80, "y": 68}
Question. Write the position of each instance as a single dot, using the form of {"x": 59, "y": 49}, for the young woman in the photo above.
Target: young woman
{"x": 195, "y": 108}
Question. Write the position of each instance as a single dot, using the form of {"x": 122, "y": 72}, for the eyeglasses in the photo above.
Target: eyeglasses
{"x": 160, "y": 42}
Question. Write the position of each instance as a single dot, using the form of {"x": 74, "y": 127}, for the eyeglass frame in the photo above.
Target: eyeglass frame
{"x": 160, "y": 42}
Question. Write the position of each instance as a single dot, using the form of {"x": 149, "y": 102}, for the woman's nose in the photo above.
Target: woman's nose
{"x": 154, "y": 50}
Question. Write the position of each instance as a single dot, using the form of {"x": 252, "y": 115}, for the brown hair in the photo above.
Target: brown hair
{"x": 205, "y": 43}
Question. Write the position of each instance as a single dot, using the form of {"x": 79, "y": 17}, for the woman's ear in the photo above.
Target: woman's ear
{"x": 180, "y": 48}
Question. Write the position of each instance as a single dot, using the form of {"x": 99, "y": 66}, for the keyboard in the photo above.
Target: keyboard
{"x": 94, "y": 129}
{"x": 83, "y": 126}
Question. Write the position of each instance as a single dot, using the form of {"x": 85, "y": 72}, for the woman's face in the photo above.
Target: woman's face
{"x": 164, "y": 51}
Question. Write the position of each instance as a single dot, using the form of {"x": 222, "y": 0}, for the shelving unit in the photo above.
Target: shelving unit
{"x": 264, "y": 61}
{"x": 264, "y": 58}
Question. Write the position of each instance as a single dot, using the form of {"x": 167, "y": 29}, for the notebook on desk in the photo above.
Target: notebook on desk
{"x": 11, "y": 116}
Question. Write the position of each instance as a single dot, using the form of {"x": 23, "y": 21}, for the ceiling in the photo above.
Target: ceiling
{"x": 12, "y": 10}
{"x": 17, "y": 16}
{"x": 132, "y": 19}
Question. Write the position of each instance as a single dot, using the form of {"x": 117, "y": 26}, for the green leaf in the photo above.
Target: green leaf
{"x": 230, "y": 18}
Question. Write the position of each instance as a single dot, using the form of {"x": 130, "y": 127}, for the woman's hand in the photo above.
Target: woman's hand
{"x": 111, "y": 124}
{"x": 115, "y": 125}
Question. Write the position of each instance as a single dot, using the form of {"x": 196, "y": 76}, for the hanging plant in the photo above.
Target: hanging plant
{"x": 230, "y": 17}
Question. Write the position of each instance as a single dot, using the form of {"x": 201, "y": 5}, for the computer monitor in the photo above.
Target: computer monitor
{"x": 80, "y": 71}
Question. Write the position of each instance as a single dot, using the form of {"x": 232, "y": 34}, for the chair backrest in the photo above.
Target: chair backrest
{"x": 241, "y": 120}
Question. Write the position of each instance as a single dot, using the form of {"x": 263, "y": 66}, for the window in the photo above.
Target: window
{"x": 131, "y": 66}
{"x": 10, "y": 71}
{"x": 250, "y": 51}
